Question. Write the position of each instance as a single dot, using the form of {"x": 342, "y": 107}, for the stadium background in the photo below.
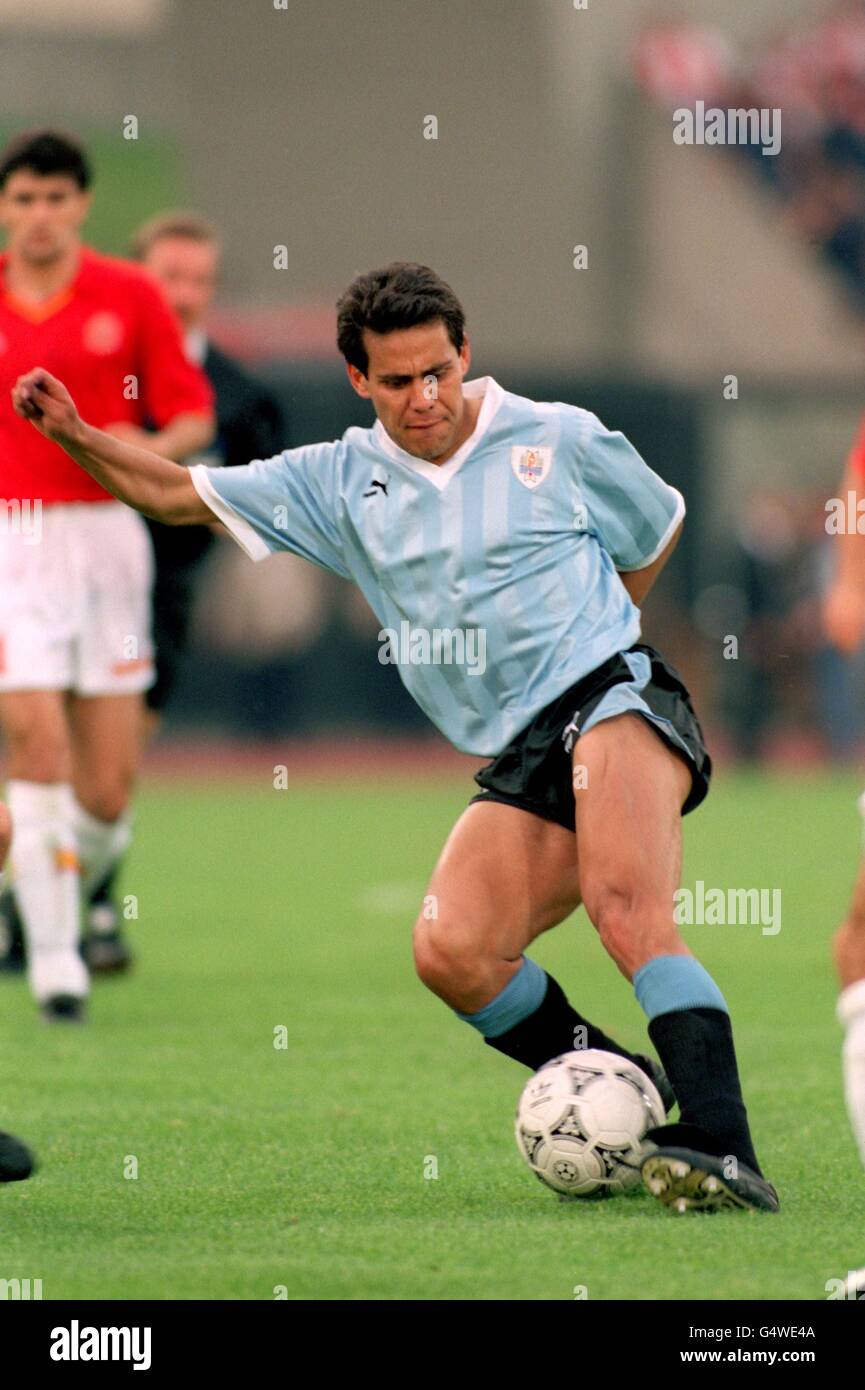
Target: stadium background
{"x": 554, "y": 131}
{"x": 301, "y": 1169}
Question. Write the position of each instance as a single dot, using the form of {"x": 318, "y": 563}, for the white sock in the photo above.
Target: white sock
{"x": 44, "y": 873}
{"x": 101, "y": 843}
{"x": 851, "y": 1015}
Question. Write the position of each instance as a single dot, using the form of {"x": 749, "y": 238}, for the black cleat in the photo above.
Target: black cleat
{"x": 16, "y": 1160}
{"x": 659, "y": 1078}
{"x": 13, "y": 960}
{"x": 63, "y": 1008}
{"x": 107, "y": 954}
{"x": 105, "y": 949}
{"x": 689, "y": 1179}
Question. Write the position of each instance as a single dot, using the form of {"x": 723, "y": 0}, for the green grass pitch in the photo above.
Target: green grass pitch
{"x": 306, "y": 1167}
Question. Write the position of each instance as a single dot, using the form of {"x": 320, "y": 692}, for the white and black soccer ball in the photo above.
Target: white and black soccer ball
{"x": 581, "y": 1120}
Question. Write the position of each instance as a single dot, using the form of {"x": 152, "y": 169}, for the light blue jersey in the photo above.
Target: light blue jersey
{"x": 493, "y": 575}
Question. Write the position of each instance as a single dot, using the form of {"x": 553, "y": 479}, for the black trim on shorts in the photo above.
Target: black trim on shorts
{"x": 534, "y": 773}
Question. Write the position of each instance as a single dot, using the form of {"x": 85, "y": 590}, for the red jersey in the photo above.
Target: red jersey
{"x": 112, "y": 340}
{"x": 856, "y": 457}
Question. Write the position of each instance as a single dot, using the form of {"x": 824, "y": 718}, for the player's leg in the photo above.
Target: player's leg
{"x": 628, "y": 809}
{"x": 44, "y": 862}
{"x": 106, "y": 736}
{"x": 16, "y": 1161}
{"x": 106, "y": 713}
{"x": 505, "y": 876}
{"x": 850, "y": 963}
{"x": 106, "y": 948}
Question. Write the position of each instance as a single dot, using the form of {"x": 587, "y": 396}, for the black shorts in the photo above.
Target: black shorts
{"x": 534, "y": 772}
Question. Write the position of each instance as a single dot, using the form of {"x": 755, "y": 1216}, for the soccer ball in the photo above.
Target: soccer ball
{"x": 581, "y": 1121}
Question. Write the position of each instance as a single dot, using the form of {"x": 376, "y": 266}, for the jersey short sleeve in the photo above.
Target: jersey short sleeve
{"x": 630, "y": 509}
{"x": 287, "y": 502}
{"x": 170, "y": 384}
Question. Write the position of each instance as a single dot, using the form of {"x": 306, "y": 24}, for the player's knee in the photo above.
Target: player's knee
{"x": 629, "y": 926}
{"x": 610, "y": 908}
{"x": 849, "y": 947}
{"x": 36, "y": 754}
{"x": 106, "y": 799}
{"x": 446, "y": 966}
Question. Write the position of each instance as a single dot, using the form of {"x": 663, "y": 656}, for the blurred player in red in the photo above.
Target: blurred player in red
{"x": 181, "y": 249}
{"x": 844, "y": 626}
{"x": 15, "y": 1160}
{"x": 75, "y": 566}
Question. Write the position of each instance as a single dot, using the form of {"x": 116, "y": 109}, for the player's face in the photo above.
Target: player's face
{"x": 187, "y": 271}
{"x": 414, "y": 380}
{"x": 42, "y": 215}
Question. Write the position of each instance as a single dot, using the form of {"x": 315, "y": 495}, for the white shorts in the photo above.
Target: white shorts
{"x": 75, "y": 593}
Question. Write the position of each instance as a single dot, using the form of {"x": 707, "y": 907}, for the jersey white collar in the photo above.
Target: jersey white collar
{"x": 483, "y": 387}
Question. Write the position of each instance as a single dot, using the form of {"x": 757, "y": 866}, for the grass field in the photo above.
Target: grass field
{"x": 303, "y": 1166}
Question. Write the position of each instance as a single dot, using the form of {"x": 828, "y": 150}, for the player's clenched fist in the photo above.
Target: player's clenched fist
{"x": 39, "y": 397}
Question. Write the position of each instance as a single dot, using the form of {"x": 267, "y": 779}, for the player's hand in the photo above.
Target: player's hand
{"x": 844, "y": 617}
{"x": 44, "y": 401}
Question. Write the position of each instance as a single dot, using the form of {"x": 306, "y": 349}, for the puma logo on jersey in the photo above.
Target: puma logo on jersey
{"x": 372, "y": 488}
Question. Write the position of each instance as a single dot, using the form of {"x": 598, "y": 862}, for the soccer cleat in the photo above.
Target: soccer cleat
{"x": 63, "y": 1008}
{"x": 13, "y": 960}
{"x": 16, "y": 1160}
{"x": 107, "y": 954}
{"x": 659, "y": 1079}
{"x": 689, "y": 1179}
{"x": 105, "y": 949}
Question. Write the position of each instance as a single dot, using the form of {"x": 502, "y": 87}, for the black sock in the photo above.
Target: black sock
{"x": 104, "y": 889}
{"x": 550, "y": 1031}
{"x": 696, "y": 1051}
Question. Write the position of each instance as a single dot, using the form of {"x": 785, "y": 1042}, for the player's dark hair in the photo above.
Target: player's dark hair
{"x": 401, "y": 295}
{"x": 46, "y": 152}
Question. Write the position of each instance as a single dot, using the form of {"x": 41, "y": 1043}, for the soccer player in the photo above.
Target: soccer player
{"x": 16, "y": 1161}
{"x": 844, "y": 626}
{"x": 531, "y": 534}
{"x": 181, "y": 250}
{"x": 75, "y": 566}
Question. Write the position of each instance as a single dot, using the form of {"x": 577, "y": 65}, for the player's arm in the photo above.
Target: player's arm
{"x": 844, "y": 606}
{"x": 187, "y": 434}
{"x": 151, "y": 484}
{"x": 639, "y": 582}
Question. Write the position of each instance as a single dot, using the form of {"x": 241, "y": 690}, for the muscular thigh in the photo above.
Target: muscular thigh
{"x": 504, "y": 876}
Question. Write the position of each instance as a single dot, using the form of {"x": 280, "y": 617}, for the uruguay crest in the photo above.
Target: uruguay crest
{"x": 531, "y": 466}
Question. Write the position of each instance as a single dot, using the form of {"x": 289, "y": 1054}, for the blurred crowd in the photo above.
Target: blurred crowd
{"x": 774, "y": 687}
{"x": 816, "y": 75}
